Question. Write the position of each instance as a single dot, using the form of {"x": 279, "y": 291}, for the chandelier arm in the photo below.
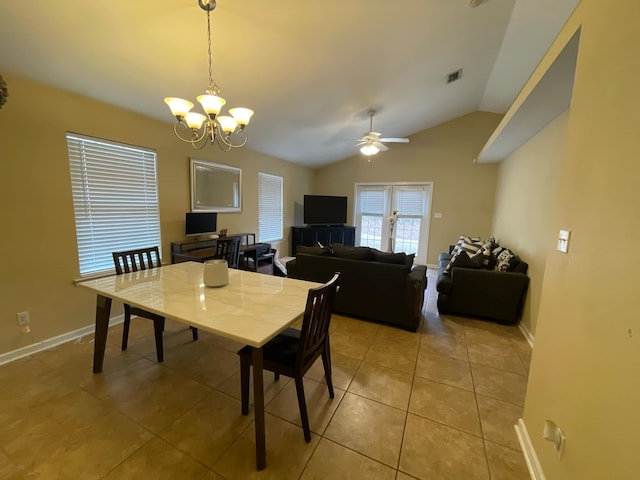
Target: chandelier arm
{"x": 227, "y": 139}
{"x": 223, "y": 145}
{"x": 195, "y": 137}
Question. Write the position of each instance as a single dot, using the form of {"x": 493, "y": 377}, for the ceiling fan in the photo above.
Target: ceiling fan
{"x": 372, "y": 142}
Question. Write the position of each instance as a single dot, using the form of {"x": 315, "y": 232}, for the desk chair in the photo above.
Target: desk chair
{"x": 294, "y": 351}
{"x": 132, "y": 261}
{"x": 228, "y": 249}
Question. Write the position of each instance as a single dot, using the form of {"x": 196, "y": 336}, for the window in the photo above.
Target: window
{"x": 269, "y": 207}
{"x": 115, "y": 199}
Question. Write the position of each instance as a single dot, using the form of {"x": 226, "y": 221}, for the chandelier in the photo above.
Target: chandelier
{"x": 197, "y": 129}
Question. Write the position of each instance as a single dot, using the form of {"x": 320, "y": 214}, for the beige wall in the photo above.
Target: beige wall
{"x": 462, "y": 191}
{"x": 525, "y": 199}
{"x": 38, "y": 232}
{"x": 586, "y": 360}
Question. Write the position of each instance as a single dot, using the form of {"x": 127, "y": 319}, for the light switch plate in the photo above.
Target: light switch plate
{"x": 563, "y": 241}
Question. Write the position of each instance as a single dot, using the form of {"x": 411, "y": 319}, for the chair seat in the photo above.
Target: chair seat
{"x": 281, "y": 349}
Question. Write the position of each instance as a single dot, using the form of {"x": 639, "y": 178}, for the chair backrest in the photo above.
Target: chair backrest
{"x": 228, "y": 249}
{"x": 134, "y": 260}
{"x": 315, "y": 325}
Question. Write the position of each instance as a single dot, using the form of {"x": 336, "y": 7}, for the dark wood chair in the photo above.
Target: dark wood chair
{"x": 228, "y": 249}
{"x": 131, "y": 261}
{"x": 294, "y": 351}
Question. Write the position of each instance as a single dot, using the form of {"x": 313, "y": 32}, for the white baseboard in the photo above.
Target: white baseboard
{"x": 527, "y": 334}
{"x": 53, "y": 342}
{"x": 530, "y": 457}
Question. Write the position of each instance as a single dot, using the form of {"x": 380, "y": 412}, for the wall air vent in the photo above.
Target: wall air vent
{"x": 453, "y": 76}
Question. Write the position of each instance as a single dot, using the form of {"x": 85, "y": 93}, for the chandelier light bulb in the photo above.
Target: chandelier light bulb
{"x": 242, "y": 115}
{"x": 179, "y": 107}
{"x": 211, "y": 104}
{"x": 228, "y": 124}
{"x": 195, "y": 120}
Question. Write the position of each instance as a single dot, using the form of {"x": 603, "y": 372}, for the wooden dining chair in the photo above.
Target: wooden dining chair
{"x": 131, "y": 261}
{"x": 294, "y": 351}
{"x": 228, "y": 249}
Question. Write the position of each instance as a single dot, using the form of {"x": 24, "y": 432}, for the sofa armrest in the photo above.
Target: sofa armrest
{"x": 418, "y": 275}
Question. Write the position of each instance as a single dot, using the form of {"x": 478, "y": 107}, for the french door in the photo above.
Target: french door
{"x": 409, "y": 232}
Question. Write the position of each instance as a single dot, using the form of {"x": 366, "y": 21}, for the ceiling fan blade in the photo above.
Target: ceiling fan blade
{"x": 395, "y": 140}
{"x": 381, "y": 146}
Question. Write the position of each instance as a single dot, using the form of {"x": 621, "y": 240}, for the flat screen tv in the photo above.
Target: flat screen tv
{"x": 325, "y": 210}
{"x": 200, "y": 223}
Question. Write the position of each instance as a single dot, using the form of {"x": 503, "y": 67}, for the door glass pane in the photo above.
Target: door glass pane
{"x": 407, "y": 235}
{"x": 371, "y": 231}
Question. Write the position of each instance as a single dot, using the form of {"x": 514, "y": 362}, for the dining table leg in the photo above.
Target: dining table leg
{"x": 258, "y": 401}
{"x": 103, "y": 310}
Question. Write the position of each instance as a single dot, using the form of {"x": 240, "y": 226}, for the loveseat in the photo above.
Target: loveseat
{"x": 379, "y": 286}
{"x": 485, "y": 280}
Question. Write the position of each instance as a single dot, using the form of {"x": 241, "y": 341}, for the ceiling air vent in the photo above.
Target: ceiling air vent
{"x": 453, "y": 76}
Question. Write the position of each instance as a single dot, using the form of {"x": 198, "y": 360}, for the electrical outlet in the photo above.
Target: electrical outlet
{"x": 23, "y": 318}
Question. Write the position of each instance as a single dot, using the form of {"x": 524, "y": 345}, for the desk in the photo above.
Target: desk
{"x": 251, "y": 309}
{"x": 256, "y": 257}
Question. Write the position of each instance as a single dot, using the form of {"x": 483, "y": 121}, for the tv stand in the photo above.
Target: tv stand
{"x": 310, "y": 235}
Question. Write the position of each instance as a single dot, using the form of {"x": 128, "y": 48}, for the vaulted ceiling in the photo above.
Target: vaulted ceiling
{"x": 311, "y": 70}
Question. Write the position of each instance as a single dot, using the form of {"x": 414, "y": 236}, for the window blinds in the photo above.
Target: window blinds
{"x": 269, "y": 207}
{"x": 115, "y": 199}
{"x": 410, "y": 201}
{"x": 372, "y": 202}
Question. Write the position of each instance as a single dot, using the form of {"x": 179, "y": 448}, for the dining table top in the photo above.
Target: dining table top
{"x": 252, "y": 308}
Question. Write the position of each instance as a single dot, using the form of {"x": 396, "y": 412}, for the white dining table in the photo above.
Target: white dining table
{"x": 252, "y": 308}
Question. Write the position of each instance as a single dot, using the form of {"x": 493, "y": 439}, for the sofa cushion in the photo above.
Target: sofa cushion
{"x": 353, "y": 253}
{"x": 386, "y": 257}
{"x": 313, "y": 250}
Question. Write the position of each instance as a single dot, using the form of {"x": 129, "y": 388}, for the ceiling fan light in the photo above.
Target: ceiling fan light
{"x": 227, "y": 124}
{"x": 241, "y": 115}
{"x": 179, "y": 107}
{"x": 194, "y": 120}
{"x": 211, "y": 104}
{"x": 369, "y": 149}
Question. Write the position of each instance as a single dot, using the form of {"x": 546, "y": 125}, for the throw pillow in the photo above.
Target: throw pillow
{"x": 463, "y": 260}
{"x": 504, "y": 260}
{"x": 409, "y": 260}
{"x": 471, "y": 245}
{"x": 386, "y": 257}
{"x": 483, "y": 256}
{"x": 353, "y": 253}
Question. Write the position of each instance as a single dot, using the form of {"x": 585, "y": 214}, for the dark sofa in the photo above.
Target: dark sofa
{"x": 482, "y": 291}
{"x": 373, "y": 285}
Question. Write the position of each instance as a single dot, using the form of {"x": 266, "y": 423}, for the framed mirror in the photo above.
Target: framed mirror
{"x": 215, "y": 187}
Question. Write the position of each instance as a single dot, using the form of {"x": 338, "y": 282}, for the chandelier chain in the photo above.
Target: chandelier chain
{"x": 212, "y": 86}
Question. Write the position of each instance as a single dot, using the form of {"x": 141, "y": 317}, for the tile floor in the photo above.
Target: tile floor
{"x": 437, "y": 404}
